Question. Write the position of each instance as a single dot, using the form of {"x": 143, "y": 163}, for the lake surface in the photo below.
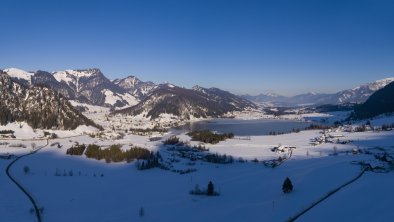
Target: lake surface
{"x": 246, "y": 127}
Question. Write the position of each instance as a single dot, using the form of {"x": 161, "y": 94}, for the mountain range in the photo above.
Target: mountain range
{"x": 356, "y": 95}
{"x": 133, "y": 96}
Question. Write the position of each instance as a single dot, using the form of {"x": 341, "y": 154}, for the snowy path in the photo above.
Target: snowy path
{"x": 330, "y": 193}
{"x": 36, "y": 209}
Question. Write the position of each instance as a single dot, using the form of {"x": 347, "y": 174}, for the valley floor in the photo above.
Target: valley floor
{"x": 74, "y": 188}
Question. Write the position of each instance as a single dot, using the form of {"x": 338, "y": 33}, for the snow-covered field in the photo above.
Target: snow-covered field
{"x": 249, "y": 191}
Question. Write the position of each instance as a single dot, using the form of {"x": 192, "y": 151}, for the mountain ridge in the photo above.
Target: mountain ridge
{"x": 358, "y": 94}
{"x": 38, "y": 105}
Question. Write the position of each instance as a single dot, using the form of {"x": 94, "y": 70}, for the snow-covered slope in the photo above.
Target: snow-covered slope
{"x": 19, "y": 74}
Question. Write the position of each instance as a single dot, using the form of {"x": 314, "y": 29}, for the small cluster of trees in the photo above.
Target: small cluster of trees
{"x": 76, "y": 150}
{"x": 210, "y": 191}
{"x": 207, "y": 136}
{"x": 70, "y": 173}
{"x": 173, "y": 140}
{"x": 148, "y": 130}
{"x": 199, "y": 148}
{"x": 6, "y": 132}
{"x": 274, "y": 133}
{"x": 317, "y": 127}
{"x": 386, "y": 127}
{"x": 115, "y": 154}
{"x": 361, "y": 128}
{"x": 50, "y": 135}
{"x": 151, "y": 162}
{"x": 217, "y": 158}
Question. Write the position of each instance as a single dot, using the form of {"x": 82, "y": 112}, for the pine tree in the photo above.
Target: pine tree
{"x": 287, "y": 186}
{"x": 211, "y": 189}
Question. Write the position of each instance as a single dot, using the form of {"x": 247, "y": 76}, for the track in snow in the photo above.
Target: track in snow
{"x": 7, "y": 171}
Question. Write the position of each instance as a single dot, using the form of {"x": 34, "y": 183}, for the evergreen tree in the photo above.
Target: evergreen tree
{"x": 211, "y": 189}
{"x": 287, "y": 186}
{"x": 26, "y": 169}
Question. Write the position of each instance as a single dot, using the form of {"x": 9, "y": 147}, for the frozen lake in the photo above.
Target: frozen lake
{"x": 247, "y": 127}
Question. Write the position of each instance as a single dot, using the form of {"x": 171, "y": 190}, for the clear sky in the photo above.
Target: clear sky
{"x": 287, "y": 47}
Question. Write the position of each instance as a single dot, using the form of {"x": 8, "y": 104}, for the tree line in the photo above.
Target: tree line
{"x": 112, "y": 154}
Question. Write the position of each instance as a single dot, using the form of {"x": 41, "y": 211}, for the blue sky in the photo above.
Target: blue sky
{"x": 287, "y": 47}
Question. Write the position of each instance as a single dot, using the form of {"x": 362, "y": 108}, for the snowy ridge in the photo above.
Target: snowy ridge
{"x": 357, "y": 94}
{"x": 19, "y": 74}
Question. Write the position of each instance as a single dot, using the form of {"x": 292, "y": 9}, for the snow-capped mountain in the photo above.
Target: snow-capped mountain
{"x": 95, "y": 87}
{"x": 46, "y": 78}
{"x": 380, "y": 102}
{"x": 361, "y": 93}
{"x": 87, "y": 86}
{"x": 19, "y": 74}
{"x": 135, "y": 87}
{"x": 358, "y": 94}
{"x": 269, "y": 99}
{"x": 188, "y": 103}
{"x": 39, "y": 106}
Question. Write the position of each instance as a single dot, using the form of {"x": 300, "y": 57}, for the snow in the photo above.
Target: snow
{"x": 130, "y": 99}
{"x": 248, "y": 191}
{"x": 83, "y": 129}
{"x": 19, "y": 74}
{"x": 371, "y": 196}
{"x": 22, "y": 130}
{"x": 62, "y": 76}
{"x": 111, "y": 98}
